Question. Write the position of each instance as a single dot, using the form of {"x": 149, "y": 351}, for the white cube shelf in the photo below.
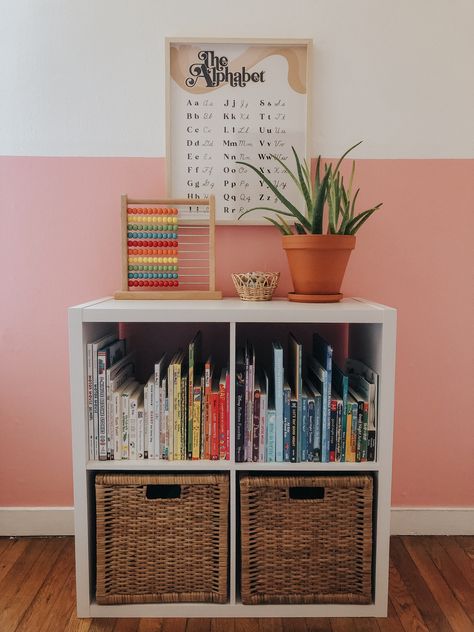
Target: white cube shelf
{"x": 369, "y": 333}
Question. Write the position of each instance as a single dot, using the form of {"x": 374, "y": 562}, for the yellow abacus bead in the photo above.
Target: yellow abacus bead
{"x": 160, "y": 259}
{"x": 175, "y": 259}
{"x": 155, "y": 259}
{"x": 139, "y": 260}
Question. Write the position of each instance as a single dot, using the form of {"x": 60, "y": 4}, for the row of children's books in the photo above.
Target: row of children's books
{"x": 304, "y": 408}
{"x": 181, "y": 412}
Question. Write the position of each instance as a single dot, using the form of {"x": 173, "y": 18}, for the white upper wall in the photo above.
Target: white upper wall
{"x": 86, "y": 77}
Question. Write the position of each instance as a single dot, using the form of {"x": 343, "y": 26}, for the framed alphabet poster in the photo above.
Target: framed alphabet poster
{"x": 231, "y": 101}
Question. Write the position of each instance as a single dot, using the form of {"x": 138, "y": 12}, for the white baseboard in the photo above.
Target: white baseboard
{"x": 404, "y": 521}
{"x": 432, "y": 521}
{"x": 36, "y": 520}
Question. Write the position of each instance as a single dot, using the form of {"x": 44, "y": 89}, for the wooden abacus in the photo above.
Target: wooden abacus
{"x": 168, "y": 249}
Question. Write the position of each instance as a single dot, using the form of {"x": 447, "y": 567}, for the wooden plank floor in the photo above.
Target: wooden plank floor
{"x": 431, "y": 590}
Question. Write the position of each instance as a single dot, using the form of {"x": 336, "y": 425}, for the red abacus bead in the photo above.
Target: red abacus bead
{"x": 154, "y": 243}
{"x": 165, "y": 283}
{"x": 160, "y": 283}
{"x": 130, "y": 283}
{"x": 145, "y": 283}
{"x": 160, "y": 211}
{"x": 175, "y": 283}
{"x": 155, "y": 283}
{"x": 144, "y": 243}
{"x": 140, "y": 283}
{"x": 139, "y": 211}
{"x": 174, "y": 243}
{"x": 129, "y": 242}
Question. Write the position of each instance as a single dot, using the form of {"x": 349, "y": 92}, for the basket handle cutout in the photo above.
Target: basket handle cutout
{"x": 307, "y": 493}
{"x": 155, "y": 492}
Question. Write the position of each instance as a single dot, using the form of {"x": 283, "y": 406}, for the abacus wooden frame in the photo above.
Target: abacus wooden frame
{"x": 211, "y": 293}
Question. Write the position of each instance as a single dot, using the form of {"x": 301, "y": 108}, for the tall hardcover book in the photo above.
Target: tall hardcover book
{"x": 319, "y": 377}
{"x": 256, "y": 420}
{"x": 295, "y": 366}
{"x": 278, "y": 379}
{"x": 286, "y": 422}
{"x": 157, "y": 433}
{"x": 270, "y": 426}
{"x": 214, "y": 417}
{"x": 239, "y": 405}
{"x": 206, "y": 439}
{"x": 222, "y": 442}
{"x": 293, "y": 430}
{"x": 115, "y": 376}
{"x": 134, "y": 400}
{"x": 194, "y": 358}
{"x": 141, "y": 430}
{"x": 341, "y": 385}
{"x": 106, "y": 356}
{"x": 125, "y": 409}
{"x": 148, "y": 418}
{"x": 263, "y": 380}
{"x": 360, "y": 389}
{"x": 314, "y": 396}
{"x": 249, "y": 400}
{"x": 196, "y": 412}
{"x": 356, "y": 367}
{"x": 323, "y": 353}
{"x": 117, "y": 415}
{"x": 93, "y": 393}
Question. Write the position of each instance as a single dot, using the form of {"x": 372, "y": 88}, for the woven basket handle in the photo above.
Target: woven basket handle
{"x": 306, "y": 493}
{"x": 160, "y": 492}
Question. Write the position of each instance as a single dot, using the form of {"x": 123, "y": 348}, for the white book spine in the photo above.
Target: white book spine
{"x": 90, "y": 402}
{"x": 163, "y": 453}
{"x": 117, "y": 417}
{"x": 140, "y": 432}
{"x": 150, "y": 435}
{"x": 124, "y": 406}
{"x": 101, "y": 368}
{"x": 146, "y": 420}
{"x": 132, "y": 428}
{"x": 262, "y": 428}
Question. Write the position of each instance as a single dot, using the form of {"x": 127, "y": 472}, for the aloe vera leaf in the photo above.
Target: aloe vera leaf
{"x": 304, "y": 188}
{"x": 344, "y": 155}
{"x": 353, "y": 203}
{"x": 285, "y": 223}
{"x": 293, "y": 210}
{"x": 288, "y": 171}
{"x": 280, "y": 227}
{"x": 299, "y": 229}
{"x": 354, "y": 225}
{"x": 264, "y": 208}
{"x": 351, "y": 180}
{"x": 317, "y": 218}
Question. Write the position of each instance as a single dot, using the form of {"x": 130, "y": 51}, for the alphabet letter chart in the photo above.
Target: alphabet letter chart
{"x": 231, "y": 101}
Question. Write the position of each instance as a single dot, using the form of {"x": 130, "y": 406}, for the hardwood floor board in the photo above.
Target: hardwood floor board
{"x": 427, "y": 605}
{"x": 77, "y": 625}
{"x": 246, "y": 625}
{"x": 458, "y": 619}
{"x": 51, "y": 597}
{"x": 462, "y": 589}
{"x": 60, "y": 612}
{"x": 24, "y": 579}
{"x": 270, "y": 625}
{"x": 294, "y": 625}
{"x": 223, "y": 624}
{"x": 459, "y": 557}
{"x": 391, "y": 623}
{"x": 405, "y": 607}
{"x": 174, "y": 625}
{"x": 10, "y": 552}
{"x": 319, "y": 625}
{"x": 467, "y": 543}
{"x": 365, "y": 625}
{"x": 102, "y": 625}
{"x": 126, "y": 625}
{"x": 150, "y": 625}
{"x": 342, "y": 625}
{"x": 198, "y": 625}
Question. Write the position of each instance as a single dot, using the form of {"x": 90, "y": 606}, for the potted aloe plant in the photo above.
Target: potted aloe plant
{"x": 317, "y": 260}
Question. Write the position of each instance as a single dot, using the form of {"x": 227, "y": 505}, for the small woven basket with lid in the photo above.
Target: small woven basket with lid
{"x": 255, "y": 286}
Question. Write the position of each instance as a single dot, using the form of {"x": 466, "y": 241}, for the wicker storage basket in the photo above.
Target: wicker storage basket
{"x": 162, "y": 538}
{"x": 306, "y": 539}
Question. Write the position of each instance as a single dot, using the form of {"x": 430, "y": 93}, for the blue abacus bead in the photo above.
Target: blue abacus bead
{"x": 129, "y": 235}
{"x": 135, "y": 275}
{"x": 160, "y": 276}
{"x": 175, "y": 276}
{"x": 130, "y": 275}
{"x": 140, "y": 275}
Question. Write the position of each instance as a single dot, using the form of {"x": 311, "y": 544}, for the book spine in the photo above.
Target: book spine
{"x": 184, "y": 417}
{"x": 151, "y": 438}
{"x": 310, "y": 441}
{"x": 293, "y": 430}
{"x": 278, "y": 377}
{"x": 249, "y": 413}
{"x": 339, "y": 431}
{"x": 271, "y": 436}
{"x": 365, "y": 428}
{"x": 110, "y": 428}
{"x": 202, "y": 436}
{"x": 90, "y": 402}
{"x": 239, "y": 412}
{"x": 360, "y": 418}
{"x": 208, "y": 404}
{"x": 262, "y": 429}
{"x": 101, "y": 368}
{"x": 317, "y": 430}
{"x": 132, "y": 428}
{"x": 95, "y": 402}
{"x": 344, "y": 430}
{"x": 227, "y": 416}
{"x": 162, "y": 453}
{"x": 256, "y": 426}
{"x": 124, "y": 406}
{"x": 166, "y": 424}
{"x": 303, "y": 438}
{"x": 222, "y": 416}
{"x": 195, "y": 413}
{"x": 190, "y": 450}
{"x": 371, "y": 438}
{"x": 325, "y": 410}
{"x": 117, "y": 419}
{"x": 348, "y": 452}
{"x": 214, "y": 438}
{"x": 332, "y": 430}
{"x": 140, "y": 433}
{"x": 354, "y": 424}
{"x": 286, "y": 424}
{"x": 176, "y": 404}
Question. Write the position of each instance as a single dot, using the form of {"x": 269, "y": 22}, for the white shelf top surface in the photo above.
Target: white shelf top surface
{"x": 232, "y": 310}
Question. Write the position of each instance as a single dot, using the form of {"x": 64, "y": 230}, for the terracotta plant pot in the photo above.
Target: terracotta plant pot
{"x": 317, "y": 265}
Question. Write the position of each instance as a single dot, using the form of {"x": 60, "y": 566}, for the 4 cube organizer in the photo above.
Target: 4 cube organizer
{"x": 249, "y": 533}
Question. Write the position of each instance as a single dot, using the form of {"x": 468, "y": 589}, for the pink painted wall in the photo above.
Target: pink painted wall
{"x": 61, "y": 247}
